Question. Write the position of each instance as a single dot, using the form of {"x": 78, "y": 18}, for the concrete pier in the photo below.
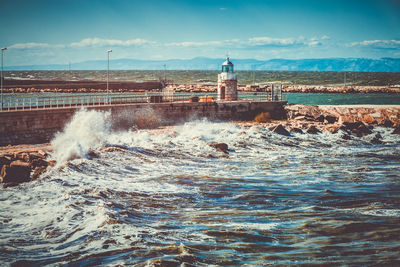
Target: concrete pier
{"x": 40, "y": 125}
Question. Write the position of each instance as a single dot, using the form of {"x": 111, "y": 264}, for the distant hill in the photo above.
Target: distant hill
{"x": 202, "y": 63}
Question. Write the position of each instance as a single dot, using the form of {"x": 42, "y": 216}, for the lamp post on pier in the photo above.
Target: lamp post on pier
{"x": 108, "y": 70}
{"x": 2, "y": 51}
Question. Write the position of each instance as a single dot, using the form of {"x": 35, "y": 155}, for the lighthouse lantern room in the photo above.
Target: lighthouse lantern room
{"x": 227, "y": 82}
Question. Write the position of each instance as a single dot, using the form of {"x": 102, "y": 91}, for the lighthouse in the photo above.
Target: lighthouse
{"x": 227, "y": 82}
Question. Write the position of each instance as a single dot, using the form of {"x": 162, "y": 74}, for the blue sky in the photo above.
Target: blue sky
{"x": 61, "y": 31}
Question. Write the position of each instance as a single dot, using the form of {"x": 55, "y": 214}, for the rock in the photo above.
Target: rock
{"x": 39, "y": 163}
{"x": 320, "y": 118}
{"x": 22, "y": 156}
{"x": 387, "y": 123}
{"x": 296, "y": 130}
{"x": 52, "y": 163}
{"x": 377, "y": 139}
{"x": 333, "y": 128}
{"x": 362, "y": 130}
{"x": 37, "y": 172}
{"x": 396, "y": 130}
{"x": 19, "y": 163}
{"x": 368, "y": 119}
{"x": 346, "y": 136}
{"x": 91, "y": 154}
{"x": 42, "y": 154}
{"x": 222, "y": 147}
{"x": 330, "y": 119}
{"x": 313, "y": 130}
{"x": 279, "y": 129}
{"x": 300, "y": 118}
{"x": 111, "y": 149}
{"x": 4, "y": 160}
{"x": 15, "y": 173}
{"x": 358, "y": 127}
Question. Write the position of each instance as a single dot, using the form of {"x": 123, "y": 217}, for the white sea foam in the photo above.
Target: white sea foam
{"x": 87, "y": 130}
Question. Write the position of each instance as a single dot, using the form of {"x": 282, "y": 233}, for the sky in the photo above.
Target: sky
{"x": 70, "y": 31}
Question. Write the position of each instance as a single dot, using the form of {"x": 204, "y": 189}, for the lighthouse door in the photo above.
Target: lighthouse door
{"x": 222, "y": 92}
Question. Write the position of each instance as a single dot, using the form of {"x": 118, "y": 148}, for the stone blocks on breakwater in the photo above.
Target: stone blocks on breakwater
{"x": 40, "y": 125}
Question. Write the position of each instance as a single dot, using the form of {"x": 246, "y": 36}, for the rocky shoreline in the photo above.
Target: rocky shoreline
{"x": 352, "y": 120}
{"x": 49, "y": 86}
{"x": 24, "y": 163}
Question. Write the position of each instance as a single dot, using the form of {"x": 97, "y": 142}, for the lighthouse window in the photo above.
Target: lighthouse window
{"x": 227, "y": 68}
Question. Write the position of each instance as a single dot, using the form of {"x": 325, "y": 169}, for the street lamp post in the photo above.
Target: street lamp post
{"x": 2, "y": 51}
{"x": 108, "y": 70}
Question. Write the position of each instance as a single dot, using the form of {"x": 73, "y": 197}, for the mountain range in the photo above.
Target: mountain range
{"x": 203, "y": 63}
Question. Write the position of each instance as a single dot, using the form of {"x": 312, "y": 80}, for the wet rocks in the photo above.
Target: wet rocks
{"x": 222, "y": 147}
{"x": 15, "y": 173}
{"x": 377, "y": 139}
{"x": 279, "y": 129}
{"x": 396, "y": 130}
{"x": 296, "y": 130}
{"x": 351, "y": 120}
{"x": 17, "y": 168}
{"x": 313, "y": 130}
{"x": 358, "y": 128}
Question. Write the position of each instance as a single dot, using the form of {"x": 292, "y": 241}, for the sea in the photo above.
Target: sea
{"x": 165, "y": 197}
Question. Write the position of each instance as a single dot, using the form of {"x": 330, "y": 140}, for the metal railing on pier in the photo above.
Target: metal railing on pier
{"x": 16, "y": 102}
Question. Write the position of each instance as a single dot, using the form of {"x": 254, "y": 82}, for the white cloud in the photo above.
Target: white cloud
{"x": 29, "y": 45}
{"x": 285, "y": 42}
{"x": 34, "y": 46}
{"x": 379, "y": 44}
{"x": 89, "y": 42}
{"x": 261, "y": 41}
{"x": 222, "y": 8}
{"x": 194, "y": 44}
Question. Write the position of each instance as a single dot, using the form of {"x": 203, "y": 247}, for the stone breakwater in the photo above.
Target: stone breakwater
{"x": 38, "y": 86}
{"x": 23, "y": 163}
{"x": 353, "y": 121}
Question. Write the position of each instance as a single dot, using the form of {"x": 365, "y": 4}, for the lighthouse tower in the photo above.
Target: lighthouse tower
{"x": 227, "y": 82}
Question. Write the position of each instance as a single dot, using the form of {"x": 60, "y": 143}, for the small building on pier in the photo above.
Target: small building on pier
{"x": 227, "y": 83}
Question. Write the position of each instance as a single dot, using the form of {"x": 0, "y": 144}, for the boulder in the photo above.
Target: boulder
{"x": 396, "y": 130}
{"x": 39, "y": 163}
{"x": 320, "y": 118}
{"x": 222, "y": 147}
{"x": 362, "y": 130}
{"x": 377, "y": 139}
{"x": 15, "y": 173}
{"x": 369, "y": 119}
{"x": 4, "y": 160}
{"x": 330, "y": 119}
{"x": 313, "y": 130}
{"x": 296, "y": 130}
{"x": 37, "y": 172}
{"x": 279, "y": 129}
{"x": 358, "y": 128}
{"x": 332, "y": 128}
{"x": 387, "y": 123}
{"x": 91, "y": 154}
{"x": 346, "y": 136}
{"x": 52, "y": 163}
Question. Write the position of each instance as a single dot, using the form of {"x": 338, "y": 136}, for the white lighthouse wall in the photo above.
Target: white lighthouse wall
{"x": 227, "y": 76}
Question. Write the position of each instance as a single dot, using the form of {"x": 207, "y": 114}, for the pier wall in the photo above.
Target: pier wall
{"x": 40, "y": 125}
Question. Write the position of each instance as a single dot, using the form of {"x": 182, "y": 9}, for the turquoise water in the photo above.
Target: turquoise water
{"x": 343, "y": 99}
